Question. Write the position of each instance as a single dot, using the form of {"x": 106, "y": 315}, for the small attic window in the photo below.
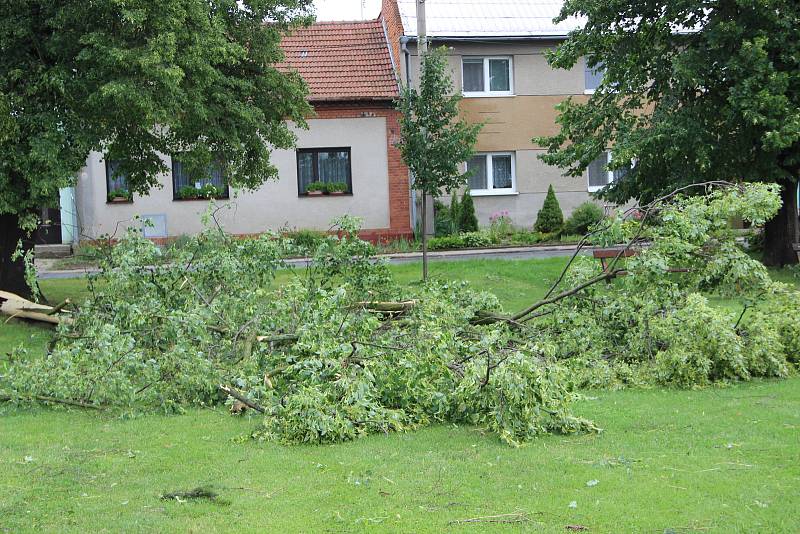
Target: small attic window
{"x": 304, "y": 53}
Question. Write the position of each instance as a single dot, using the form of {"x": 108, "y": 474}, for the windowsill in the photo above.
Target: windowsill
{"x": 304, "y": 195}
{"x": 204, "y": 199}
{"x": 119, "y": 201}
{"x": 588, "y": 91}
{"x": 595, "y": 189}
{"x": 487, "y": 95}
{"x": 493, "y": 193}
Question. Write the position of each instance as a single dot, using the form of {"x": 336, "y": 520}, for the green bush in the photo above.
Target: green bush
{"x": 525, "y": 237}
{"x": 467, "y": 221}
{"x": 467, "y": 240}
{"x": 583, "y": 218}
{"x": 307, "y": 240}
{"x": 550, "y": 218}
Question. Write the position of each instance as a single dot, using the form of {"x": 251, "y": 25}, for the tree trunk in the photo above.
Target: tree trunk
{"x": 781, "y": 232}
{"x": 424, "y": 236}
{"x": 12, "y": 272}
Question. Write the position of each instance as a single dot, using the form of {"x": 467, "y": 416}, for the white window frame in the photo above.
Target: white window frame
{"x": 486, "y": 92}
{"x": 491, "y": 191}
{"x": 610, "y": 175}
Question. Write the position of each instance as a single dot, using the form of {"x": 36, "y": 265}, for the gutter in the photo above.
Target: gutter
{"x": 490, "y": 39}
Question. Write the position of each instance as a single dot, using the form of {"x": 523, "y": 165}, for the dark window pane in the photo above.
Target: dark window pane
{"x": 180, "y": 175}
{"x": 473, "y": 75}
{"x": 499, "y": 75}
{"x": 501, "y": 172}
{"x": 305, "y": 169}
{"x": 334, "y": 167}
{"x": 115, "y": 180}
{"x": 477, "y": 167}
{"x": 598, "y": 174}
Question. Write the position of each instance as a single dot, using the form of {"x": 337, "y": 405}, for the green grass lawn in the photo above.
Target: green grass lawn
{"x": 719, "y": 460}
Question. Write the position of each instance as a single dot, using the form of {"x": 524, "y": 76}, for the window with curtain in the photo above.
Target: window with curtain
{"x": 116, "y": 183}
{"x": 492, "y": 173}
{"x": 182, "y": 180}
{"x": 326, "y": 165}
{"x": 473, "y": 75}
{"x": 599, "y": 174}
{"x": 487, "y": 76}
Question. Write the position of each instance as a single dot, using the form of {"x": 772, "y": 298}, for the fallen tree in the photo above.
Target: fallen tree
{"x": 340, "y": 350}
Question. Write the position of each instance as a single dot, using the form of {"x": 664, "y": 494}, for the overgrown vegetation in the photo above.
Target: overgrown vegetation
{"x": 340, "y": 350}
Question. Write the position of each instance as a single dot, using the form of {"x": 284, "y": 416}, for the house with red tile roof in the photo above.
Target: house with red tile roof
{"x": 351, "y": 142}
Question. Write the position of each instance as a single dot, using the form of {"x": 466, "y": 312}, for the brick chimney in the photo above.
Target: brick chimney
{"x": 390, "y": 17}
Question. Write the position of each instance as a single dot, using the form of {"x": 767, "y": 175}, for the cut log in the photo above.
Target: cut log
{"x": 18, "y": 307}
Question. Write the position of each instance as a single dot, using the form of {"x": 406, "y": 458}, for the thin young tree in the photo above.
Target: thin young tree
{"x": 691, "y": 91}
{"x": 435, "y": 139}
{"x": 136, "y": 80}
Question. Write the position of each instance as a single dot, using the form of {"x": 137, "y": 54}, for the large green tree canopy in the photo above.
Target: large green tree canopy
{"x": 692, "y": 90}
{"x": 136, "y": 79}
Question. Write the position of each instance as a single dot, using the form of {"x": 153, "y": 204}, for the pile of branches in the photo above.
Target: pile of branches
{"x": 650, "y": 322}
{"x": 339, "y": 350}
{"x": 327, "y": 353}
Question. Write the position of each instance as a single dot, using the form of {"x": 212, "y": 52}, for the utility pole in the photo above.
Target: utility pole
{"x": 422, "y": 51}
{"x": 422, "y": 34}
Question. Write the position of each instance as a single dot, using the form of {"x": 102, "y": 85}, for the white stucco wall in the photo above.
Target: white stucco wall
{"x": 274, "y": 206}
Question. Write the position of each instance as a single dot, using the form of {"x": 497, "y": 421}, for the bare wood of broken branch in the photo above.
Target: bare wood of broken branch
{"x": 241, "y": 398}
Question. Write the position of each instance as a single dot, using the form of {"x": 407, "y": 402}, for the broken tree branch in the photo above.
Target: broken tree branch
{"x": 241, "y": 398}
{"x": 44, "y": 398}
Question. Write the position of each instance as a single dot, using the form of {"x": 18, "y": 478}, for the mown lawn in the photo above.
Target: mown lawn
{"x": 714, "y": 460}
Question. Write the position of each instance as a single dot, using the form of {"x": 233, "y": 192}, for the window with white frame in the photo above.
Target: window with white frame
{"x": 487, "y": 76}
{"x": 492, "y": 173}
{"x": 599, "y": 173}
{"x": 593, "y": 76}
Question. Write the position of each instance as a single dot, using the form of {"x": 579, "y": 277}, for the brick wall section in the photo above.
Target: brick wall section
{"x": 399, "y": 208}
{"x": 390, "y": 16}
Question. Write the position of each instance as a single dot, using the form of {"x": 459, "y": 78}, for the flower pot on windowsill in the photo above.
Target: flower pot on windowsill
{"x": 336, "y": 193}
{"x": 315, "y": 193}
{"x": 120, "y": 200}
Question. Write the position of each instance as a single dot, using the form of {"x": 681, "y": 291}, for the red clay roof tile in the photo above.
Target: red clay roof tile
{"x": 342, "y": 61}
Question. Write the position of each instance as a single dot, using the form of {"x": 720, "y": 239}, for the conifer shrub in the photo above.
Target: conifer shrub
{"x": 550, "y": 218}
{"x": 467, "y": 221}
